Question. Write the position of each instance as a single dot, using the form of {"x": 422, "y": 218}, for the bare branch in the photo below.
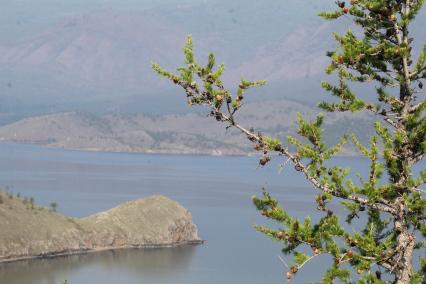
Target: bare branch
{"x": 386, "y": 118}
{"x": 299, "y": 166}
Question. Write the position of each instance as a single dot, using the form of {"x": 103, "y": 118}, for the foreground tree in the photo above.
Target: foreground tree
{"x": 392, "y": 196}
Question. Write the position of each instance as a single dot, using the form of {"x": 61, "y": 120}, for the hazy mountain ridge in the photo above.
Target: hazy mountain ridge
{"x": 99, "y": 57}
{"x": 301, "y": 54}
{"x": 116, "y": 46}
{"x": 106, "y": 55}
{"x": 179, "y": 134}
{"x": 99, "y": 48}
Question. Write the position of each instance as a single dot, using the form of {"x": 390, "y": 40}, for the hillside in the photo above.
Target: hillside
{"x": 103, "y": 49}
{"x": 32, "y": 231}
{"x": 178, "y": 134}
{"x": 81, "y": 56}
{"x": 99, "y": 59}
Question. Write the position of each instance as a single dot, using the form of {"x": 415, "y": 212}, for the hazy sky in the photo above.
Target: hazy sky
{"x": 22, "y": 17}
{"x": 19, "y": 18}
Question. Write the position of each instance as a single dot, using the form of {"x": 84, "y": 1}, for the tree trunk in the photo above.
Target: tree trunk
{"x": 404, "y": 257}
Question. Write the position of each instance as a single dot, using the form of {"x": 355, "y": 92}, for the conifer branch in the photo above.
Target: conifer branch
{"x": 384, "y": 115}
{"x": 383, "y": 55}
{"x": 382, "y": 205}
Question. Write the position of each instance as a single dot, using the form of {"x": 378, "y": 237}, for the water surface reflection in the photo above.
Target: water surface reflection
{"x": 160, "y": 265}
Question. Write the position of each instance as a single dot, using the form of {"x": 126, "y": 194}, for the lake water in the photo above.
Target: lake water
{"x": 216, "y": 190}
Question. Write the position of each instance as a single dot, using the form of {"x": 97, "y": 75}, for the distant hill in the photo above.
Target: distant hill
{"x": 93, "y": 57}
{"x": 105, "y": 56}
{"x": 181, "y": 134}
{"x": 106, "y": 50}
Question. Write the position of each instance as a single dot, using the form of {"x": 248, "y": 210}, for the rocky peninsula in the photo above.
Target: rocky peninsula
{"x": 31, "y": 231}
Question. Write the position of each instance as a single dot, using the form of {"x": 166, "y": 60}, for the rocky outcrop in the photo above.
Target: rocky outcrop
{"x": 29, "y": 231}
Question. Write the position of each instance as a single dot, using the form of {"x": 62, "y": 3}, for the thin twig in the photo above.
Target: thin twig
{"x": 283, "y": 261}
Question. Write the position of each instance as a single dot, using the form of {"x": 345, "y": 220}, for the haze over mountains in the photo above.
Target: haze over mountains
{"x": 103, "y": 56}
{"x": 94, "y": 56}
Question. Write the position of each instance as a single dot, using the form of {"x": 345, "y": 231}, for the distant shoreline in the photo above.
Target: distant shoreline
{"x": 185, "y": 134}
{"x": 153, "y": 152}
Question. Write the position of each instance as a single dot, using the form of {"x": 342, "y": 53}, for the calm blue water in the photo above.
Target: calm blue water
{"x": 217, "y": 191}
